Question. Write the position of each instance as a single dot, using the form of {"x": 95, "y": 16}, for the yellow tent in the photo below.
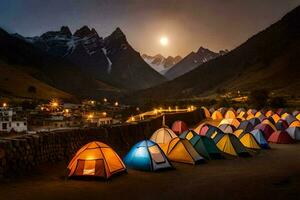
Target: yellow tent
{"x": 238, "y": 132}
{"x": 284, "y": 115}
{"x": 295, "y": 124}
{"x": 206, "y": 112}
{"x": 217, "y": 115}
{"x": 276, "y": 118}
{"x": 258, "y": 114}
{"x": 96, "y": 159}
{"x": 230, "y": 144}
{"x": 230, "y": 114}
{"x": 234, "y": 122}
{"x": 269, "y": 113}
{"x": 242, "y": 115}
{"x": 181, "y": 150}
{"x": 251, "y": 112}
{"x": 248, "y": 140}
{"x": 250, "y": 116}
{"x": 298, "y": 116}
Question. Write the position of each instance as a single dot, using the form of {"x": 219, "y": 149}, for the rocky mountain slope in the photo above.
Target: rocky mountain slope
{"x": 160, "y": 63}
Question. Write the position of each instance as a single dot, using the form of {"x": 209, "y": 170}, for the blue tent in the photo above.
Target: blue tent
{"x": 259, "y": 136}
{"x": 147, "y": 156}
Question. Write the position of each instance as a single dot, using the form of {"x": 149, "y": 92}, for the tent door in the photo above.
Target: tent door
{"x": 156, "y": 155}
{"x": 90, "y": 168}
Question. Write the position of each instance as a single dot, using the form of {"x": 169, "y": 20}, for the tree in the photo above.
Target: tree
{"x": 259, "y": 98}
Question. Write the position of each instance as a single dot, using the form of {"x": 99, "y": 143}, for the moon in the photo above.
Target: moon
{"x": 164, "y": 41}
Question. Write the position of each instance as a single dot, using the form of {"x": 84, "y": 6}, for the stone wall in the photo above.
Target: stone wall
{"x": 20, "y": 154}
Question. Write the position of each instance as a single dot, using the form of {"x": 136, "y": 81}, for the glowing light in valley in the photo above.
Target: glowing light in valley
{"x": 164, "y": 41}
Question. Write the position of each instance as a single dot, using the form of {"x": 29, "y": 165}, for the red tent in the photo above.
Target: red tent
{"x": 179, "y": 126}
{"x": 266, "y": 129}
{"x": 203, "y": 130}
{"x": 280, "y": 137}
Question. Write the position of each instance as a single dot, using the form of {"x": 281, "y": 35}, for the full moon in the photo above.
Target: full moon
{"x": 164, "y": 41}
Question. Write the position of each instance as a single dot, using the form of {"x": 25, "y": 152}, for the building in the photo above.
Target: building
{"x": 10, "y": 121}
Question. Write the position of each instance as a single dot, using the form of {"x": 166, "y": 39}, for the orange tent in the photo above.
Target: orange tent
{"x": 217, "y": 115}
{"x": 96, "y": 159}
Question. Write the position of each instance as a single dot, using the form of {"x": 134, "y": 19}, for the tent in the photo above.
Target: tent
{"x": 200, "y": 147}
{"x": 246, "y": 126}
{"x": 259, "y": 136}
{"x": 163, "y": 136}
{"x": 294, "y": 132}
{"x": 206, "y": 112}
{"x": 252, "y": 112}
{"x": 295, "y": 113}
{"x": 96, "y": 159}
{"x": 266, "y": 129}
{"x": 181, "y": 150}
{"x": 268, "y": 122}
{"x": 230, "y": 144}
{"x": 214, "y": 133}
{"x": 230, "y": 114}
{"x": 217, "y": 115}
{"x": 259, "y": 113}
{"x": 223, "y": 110}
{"x": 179, "y": 126}
{"x": 248, "y": 140}
{"x": 280, "y": 137}
{"x": 250, "y": 116}
{"x": 242, "y": 115}
{"x": 227, "y": 128}
{"x": 234, "y": 122}
{"x": 269, "y": 113}
{"x": 295, "y": 124}
{"x": 254, "y": 121}
{"x": 239, "y": 110}
{"x": 203, "y": 129}
{"x": 281, "y": 111}
{"x": 289, "y": 119}
{"x": 275, "y": 117}
{"x": 147, "y": 156}
{"x": 298, "y": 116}
{"x": 281, "y": 125}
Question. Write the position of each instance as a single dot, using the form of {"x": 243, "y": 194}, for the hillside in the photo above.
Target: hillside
{"x": 16, "y": 83}
{"x": 270, "y": 59}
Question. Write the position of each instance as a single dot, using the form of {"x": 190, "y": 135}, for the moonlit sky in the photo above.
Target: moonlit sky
{"x": 188, "y": 24}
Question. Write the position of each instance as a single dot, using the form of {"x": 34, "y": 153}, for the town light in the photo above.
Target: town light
{"x": 105, "y": 100}
{"x": 104, "y": 114}
{"x": 116, "y": 103}
{"x": 4, "y": 105}
{"x": 132, "y": 118}
{"x": 90, "y": 116}
{"x": 67, "y": 110}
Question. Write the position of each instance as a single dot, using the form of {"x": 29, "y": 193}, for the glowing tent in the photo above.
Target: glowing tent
{"x": 269, "y": 113}
{"x": 294, "y": 132}
{"x": 163, "y": 136}
{"x": 234, "y": 122}
{"x": 259, "y": 136}
{"x": 268, "y": 122}
{"x": 230, "y": 114}
{"x": 181, "y": 150}
{"x": 217, "y": 115}
{"x": 96, "y": 159}
{"x": 201, "y": 130}
{"x": 275, "y": 117}
{"x": 147, "y": 156}
{"x": 295, "y": 124}
{"x": 252, "y": 112}
{"x": 280, "y": 137}
{"x": 289, "y": 119}
{"x": 298, "y": 116}
{"x": 179, "y": 126}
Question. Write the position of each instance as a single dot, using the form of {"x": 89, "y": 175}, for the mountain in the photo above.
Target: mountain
{"x": 111, "y": 59}
{"x": 160, "y": 63}
{"x": 269, "y": 60}
{"x": 191, "y": 61}
{"x": 24, "y": 61}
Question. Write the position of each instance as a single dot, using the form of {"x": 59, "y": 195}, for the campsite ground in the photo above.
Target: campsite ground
{"x": 271, "y": 174}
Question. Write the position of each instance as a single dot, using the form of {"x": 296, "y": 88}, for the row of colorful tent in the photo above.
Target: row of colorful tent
{"x": 279, "y": 125}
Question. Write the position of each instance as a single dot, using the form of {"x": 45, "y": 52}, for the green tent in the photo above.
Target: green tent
{"x": 204, "y": 145}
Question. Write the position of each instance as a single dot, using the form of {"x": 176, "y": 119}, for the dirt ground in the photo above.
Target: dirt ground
{"x": 271, "y": 174}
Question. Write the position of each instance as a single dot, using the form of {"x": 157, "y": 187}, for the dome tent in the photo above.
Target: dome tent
{"x": 246, "y": 126}
{"x": 217, "y": 115}
{"x": 206, "y": 112}
{"x": 259, "y": 136}
{"x": 227, "y": 128}
{"x": 96, "y": 159}
{"x": 280, "y": 137}
{"x": 147, "y": 156}
{"x": 230, "y": 144}
{"x": 179, "y": 126}
{"x": 294, "y": 132}
{"x": 181, "y": 150}
{"x": 163, "y": 136}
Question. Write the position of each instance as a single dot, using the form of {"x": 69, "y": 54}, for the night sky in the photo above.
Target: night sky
{"x": 189, "y": 24}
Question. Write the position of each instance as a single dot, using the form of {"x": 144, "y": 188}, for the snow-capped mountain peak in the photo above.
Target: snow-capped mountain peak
{"x": 160, "y": 63}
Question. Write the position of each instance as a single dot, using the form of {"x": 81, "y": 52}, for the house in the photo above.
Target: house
{"x": 10, "y": 121}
